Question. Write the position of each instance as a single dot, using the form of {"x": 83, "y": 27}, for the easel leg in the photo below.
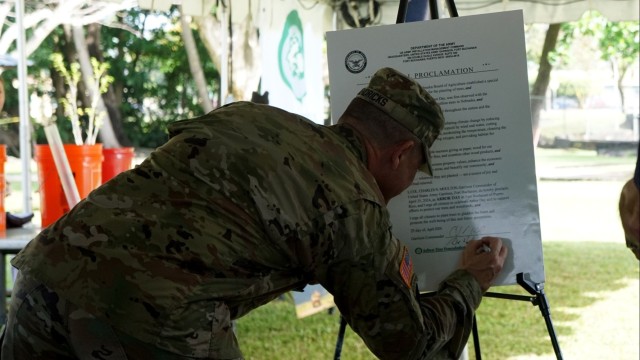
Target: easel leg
{"x": 539, "y": 300}
{"x": 546, "y": 314}
{"x": 537, "y": 289}
{"x": 476, "y": 339}
{"x": 341, "y": 331}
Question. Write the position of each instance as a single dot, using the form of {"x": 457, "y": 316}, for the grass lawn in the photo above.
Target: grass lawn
{"x": 574, "y": 270}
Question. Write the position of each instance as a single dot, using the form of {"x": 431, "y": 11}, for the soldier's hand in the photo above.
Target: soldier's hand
{"x": 484, "y": 259}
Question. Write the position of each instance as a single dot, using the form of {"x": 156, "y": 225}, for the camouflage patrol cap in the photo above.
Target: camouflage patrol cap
{"x": 408, "y": 103}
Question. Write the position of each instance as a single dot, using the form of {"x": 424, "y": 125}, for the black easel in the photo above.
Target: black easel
{"x": 341, "y": 331}
{"x": 433, "y": 10}
{"x": 539, "y": 299}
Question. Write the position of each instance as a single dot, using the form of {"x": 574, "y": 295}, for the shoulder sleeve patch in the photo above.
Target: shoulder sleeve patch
{"x": 406, "y": 267}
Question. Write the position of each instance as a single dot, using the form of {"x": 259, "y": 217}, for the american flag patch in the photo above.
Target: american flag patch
{"x": 406, "y": 267}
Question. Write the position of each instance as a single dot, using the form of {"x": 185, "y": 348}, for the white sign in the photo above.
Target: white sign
{"x": 485, "y": 181}
{"x": 312, "y": 300}
{"x": 291, "y": 43}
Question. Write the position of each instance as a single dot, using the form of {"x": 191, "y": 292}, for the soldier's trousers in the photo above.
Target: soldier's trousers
{"x": 41, "y": 325}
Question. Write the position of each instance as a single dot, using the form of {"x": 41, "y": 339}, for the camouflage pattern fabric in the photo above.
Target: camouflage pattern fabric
{"x": 46, "y": 326}
{"x": 238, "y": 207}
{"x": 31, "y": 338}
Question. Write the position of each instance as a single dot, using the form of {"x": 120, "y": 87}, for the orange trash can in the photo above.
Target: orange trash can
{"x": 116, "y": 160}
{"x": 85, "y": 162}
{"x": 3, "y": 191}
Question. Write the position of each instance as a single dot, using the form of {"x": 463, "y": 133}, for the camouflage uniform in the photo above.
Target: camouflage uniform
{"x": 238, "y": 207}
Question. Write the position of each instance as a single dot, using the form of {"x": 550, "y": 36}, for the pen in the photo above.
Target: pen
{"x": 484, "y": 249}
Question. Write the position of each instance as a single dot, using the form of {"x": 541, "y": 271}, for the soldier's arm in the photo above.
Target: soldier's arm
{"x": 377, "y": 296}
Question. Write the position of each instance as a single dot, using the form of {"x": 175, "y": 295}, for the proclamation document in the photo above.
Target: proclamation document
{"x": 484, "y": 181}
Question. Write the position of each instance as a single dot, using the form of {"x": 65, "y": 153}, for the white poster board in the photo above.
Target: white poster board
{"x": 485, "y": 181}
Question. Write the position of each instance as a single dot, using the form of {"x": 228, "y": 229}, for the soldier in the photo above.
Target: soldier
{"x": 239, "y": 206}
{"x": 629, "y": 207}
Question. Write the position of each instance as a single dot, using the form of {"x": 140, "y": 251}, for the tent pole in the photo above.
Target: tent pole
{"x": 25, "y": 127}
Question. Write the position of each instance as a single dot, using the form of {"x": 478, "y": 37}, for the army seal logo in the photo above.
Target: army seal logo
{"x": 355, "y": 61}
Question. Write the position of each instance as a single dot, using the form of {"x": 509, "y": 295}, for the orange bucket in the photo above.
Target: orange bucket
{"x": 85, "y": 162}
{"x": 116, "y": 160}
{"x": 3, "y": 215}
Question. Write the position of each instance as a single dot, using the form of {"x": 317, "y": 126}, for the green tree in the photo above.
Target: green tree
{"x": 617, "y": 43}
{"x": 541, "y": 83}
{"x": 93, "y": 118}
{"x": 577, "y": 89}
{"x": 153, "y": 82}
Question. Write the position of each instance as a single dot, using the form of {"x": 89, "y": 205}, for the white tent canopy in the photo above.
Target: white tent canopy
{"x": 553, "y": 11}
{"x": 535, "y": 11}
{"x": 189, "y": 7}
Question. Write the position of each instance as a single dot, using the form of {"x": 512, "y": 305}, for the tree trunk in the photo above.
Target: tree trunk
{"x": 65, "y": 46}
{"x": 540, "y": 86}
{"x": 195, "y": 65}
{"x": 113, "y": 97}
{"x": 246, "y": 57}
{"x": 622, "y": 70}
{"x": 210, "y": 31}
{"x": 107, "y": 135}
